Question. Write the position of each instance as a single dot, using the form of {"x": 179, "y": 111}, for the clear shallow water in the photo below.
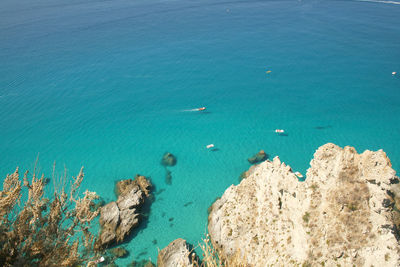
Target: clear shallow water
{"x": 103, "y": 84}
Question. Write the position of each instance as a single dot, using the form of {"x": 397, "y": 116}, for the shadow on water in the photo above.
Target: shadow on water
{"x": 158, "y": 192}
{"x": 214, "y": 149}
{"x": 188, "y": 203}
{"x": 283, "y": 134}
{"x": 322, "y": 127}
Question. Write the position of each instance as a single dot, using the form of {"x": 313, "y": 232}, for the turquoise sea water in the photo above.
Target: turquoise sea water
{"x": 105, "y": 85}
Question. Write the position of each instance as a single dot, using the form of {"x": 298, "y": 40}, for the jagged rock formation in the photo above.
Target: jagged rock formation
{"x": 346, "y": 212}
{"x": 119, "y": 217}
{"x": 176, "y": 254}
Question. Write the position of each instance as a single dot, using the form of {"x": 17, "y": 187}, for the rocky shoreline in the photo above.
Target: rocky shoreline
{"x": 345, "y": 213}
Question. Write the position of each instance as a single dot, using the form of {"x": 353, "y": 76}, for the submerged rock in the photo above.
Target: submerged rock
{"x": 119, "y": 252}
{"x": 259, "y": 157}
{"x": 336, "y": 217}
{"x": 176, "y": 254}
{"x": 118, "y": 218}
{"x": 168, "y": 159}
{"x": 142, "y": 263}
{"x": 168, "y": 176}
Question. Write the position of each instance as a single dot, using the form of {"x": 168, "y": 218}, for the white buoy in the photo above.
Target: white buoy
{"x": 210, "y": 146}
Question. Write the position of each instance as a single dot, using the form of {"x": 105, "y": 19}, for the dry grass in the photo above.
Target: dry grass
{"x": 214, "y": 258}
{"x": 346, "y": 217}
{"x": 43, "y": 231}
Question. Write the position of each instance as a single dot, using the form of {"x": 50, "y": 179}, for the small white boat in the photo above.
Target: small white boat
{"x": 99, "y": 260}
{"x": 298, "y": 174}
{"x": 394, "y": 73}
{"x": 279, "y": 131}
{"x": 210, "y": 146}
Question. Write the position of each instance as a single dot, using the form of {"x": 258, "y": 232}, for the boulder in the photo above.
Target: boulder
{"x": 118, "y": 218}
{"x": 132, "y": 198}
{"x": 124, "y": 186}
{"x": 119, "y": 252}
{"x": 259, "y": 157}
{"x": 345, "y": 213}
{"x": 143, "y": 183}
{"x": 176, "y": 254}
{"x": 110, "y": 215}
{"x": 168, "y": 159}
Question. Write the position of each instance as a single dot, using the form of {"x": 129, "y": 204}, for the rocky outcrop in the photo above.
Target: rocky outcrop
{"x": 118, "y": 218}
{"x": 259, "y": 157}
{"x": 345, "y": 213}
{"x": 168, "y": 159}
{"x": 176, "y": 254}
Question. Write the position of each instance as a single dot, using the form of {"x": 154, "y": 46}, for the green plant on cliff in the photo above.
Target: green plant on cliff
{"x": 40, "y": 231}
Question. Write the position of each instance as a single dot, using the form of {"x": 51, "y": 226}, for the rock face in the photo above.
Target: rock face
{"x": 346, "y": 212}
{"x": 119, "y": 217}
{"x": 176, "y": 254}
{"x": 259, "y": 157}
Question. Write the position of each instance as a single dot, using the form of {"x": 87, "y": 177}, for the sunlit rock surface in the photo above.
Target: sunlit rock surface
{"x": 118, "y": 218}
{"x": 344, "y": 213}
{"x": 176, "y": 254}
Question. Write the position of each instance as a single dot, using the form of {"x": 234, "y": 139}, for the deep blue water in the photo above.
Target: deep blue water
{"x": 105, "y": 85}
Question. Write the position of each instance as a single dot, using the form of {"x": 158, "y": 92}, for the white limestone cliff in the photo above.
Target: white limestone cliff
{"x": 344, "y": 213}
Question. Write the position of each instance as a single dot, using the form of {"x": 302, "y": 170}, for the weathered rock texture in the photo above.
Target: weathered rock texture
{"x": 344, "y": 213}
{"x": 118, "y": 218}
{"x": 176, "y": 254}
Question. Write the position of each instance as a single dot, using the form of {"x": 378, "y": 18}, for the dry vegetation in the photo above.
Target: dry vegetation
{"x": 214, "y": 258}
{"x": 347, "y": 213}
{"x": 40, "y": 231}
